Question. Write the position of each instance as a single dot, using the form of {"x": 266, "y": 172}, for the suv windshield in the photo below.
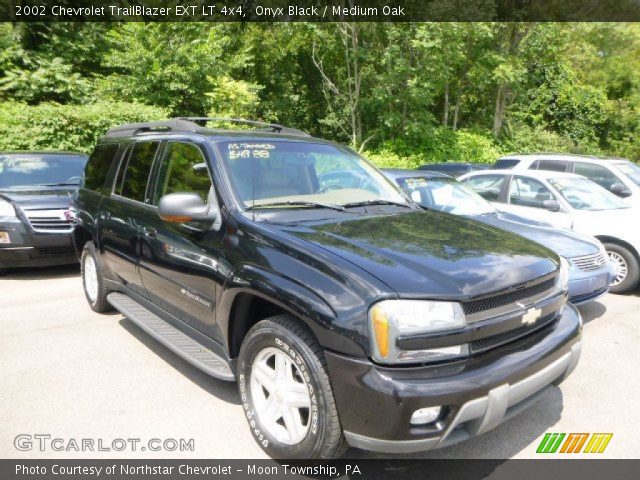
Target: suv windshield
{"x": 280, "y": 174}
{"x": 583, "y": 194}
{"x": 631, "y": 170}
{"x": 445, "y": 195}
{"x": 33, "y": 170}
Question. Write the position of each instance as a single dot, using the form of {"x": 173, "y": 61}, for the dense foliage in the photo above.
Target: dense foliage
{"x": 405, "y": 94}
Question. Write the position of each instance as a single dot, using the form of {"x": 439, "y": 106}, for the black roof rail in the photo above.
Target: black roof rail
{"x": 174, "y": 124}
{"x": 194, "y": 124}
{"x": 266, "y": 126}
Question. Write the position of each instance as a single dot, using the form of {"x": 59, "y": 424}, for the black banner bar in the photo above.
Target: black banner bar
{"x": 583, "y": 469}
{"x": 320, "y": 10}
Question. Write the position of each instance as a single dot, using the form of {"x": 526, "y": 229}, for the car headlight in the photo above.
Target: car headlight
{"x": 6, "y": 209}
{"x": 390, "y": 320}
{"x": 563, "y": 275}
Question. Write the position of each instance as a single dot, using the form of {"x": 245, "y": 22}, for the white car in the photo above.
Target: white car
{"x": 569, "y": 201}
{"x": 617, "y": 175}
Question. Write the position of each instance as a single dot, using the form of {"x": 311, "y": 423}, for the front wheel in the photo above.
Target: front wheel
{"x": 627, "y": 268}
{"x": 285, "y": 392}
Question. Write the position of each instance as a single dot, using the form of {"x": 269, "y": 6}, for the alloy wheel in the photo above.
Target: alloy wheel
{"x": 621, "y": 267}
{"x": 281, "y": 396}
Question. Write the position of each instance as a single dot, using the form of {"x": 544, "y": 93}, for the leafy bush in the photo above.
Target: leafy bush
{"x": 436, "y": 145}
{"x": 51, "y": 126}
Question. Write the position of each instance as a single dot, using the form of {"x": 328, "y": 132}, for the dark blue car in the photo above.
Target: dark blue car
{"x": 590, "y": 273}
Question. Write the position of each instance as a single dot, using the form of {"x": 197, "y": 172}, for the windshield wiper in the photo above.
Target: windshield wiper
{"x": 59, "y": 184}
{"x": 365, "y": 203}
{"x": 296, "y": 203}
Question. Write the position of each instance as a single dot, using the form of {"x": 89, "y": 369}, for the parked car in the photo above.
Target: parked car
{"x": 455, "y": 169}
{"x": 618, "y": 175}
{"x": 590, "y": 270}
{"x": 346, "y": 315}
{"x": 571, "y": 201}
{"x": 35, "y": 218}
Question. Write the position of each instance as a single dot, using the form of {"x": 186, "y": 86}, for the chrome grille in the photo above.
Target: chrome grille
{"x": 50, "y": 220}
{"x": 589, "y": 263}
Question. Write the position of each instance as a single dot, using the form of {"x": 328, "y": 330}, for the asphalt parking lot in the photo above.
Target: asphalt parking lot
{"x": 71, "y": 373}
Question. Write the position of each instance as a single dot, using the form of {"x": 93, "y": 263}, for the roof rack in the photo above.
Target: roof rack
{"x": 193, "y": 124}
{"x": 173, "y": 124}
{"x": 266, "y": 126}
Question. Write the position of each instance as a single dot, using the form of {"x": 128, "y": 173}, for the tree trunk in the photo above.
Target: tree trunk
{"x": 456, "y": 112}
{"x": 499, "y": 111}
{"x": 445, "y": 117}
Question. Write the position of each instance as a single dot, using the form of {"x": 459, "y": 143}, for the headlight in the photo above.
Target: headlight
{"x": 391, "y": 319}
{"x": 563, "y": 275}
{"x": 6, "y": 209}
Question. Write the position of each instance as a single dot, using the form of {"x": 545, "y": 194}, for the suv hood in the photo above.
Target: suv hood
{"x": 564, "y": 242}
{"x": 39, "y": 198}
{"x": 432, "y": 254}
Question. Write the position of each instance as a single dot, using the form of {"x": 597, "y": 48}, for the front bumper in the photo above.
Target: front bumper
{"x": 375, "y": 403}
{"x": 28, "y": 248}
{"x": 588, "y": 286}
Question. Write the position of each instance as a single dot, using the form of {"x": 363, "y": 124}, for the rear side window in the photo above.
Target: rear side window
{"x": 487, "y": 186}
{"x": 552, "y": 165}
{"x": 183, "y": 169}
{"x": 97, "y": 169}
{"x": 596, "y": 173}
{"x": 136, "y": 174}
{"x": 505, "y": 163}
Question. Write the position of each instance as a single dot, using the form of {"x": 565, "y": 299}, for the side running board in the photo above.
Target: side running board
{"x": 175, "y": 340}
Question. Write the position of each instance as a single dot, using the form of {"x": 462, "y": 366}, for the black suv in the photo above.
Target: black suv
{"x": 347, "y": 314}
{"x": 35, "y": 217}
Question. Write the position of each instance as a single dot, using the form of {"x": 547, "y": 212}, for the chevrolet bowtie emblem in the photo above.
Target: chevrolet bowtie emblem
{"x": 531, "y": 316}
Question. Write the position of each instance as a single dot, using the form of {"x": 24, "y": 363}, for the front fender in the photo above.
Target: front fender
{"x": 328, "y": 325}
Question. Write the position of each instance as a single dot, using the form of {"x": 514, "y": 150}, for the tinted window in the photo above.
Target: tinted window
{"x": 552, "y": 165}
{"x": 596, "y": 173}
{"x": 528, "y": 192}
{"x": 95, "y": 173}
{"x": 505, "y": 163}
{"x": 281, "y": 174}
{"x": 137, "y": 171}
{"x": 488, "y": 186}
{"x": 28, "y": 169}
{"x": 183, "y": 169}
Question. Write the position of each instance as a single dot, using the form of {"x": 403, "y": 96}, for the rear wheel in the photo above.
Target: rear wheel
{"x": 95, "y": 289}
{"x": 627, "y": 268}
{"x": 285, "y": 391}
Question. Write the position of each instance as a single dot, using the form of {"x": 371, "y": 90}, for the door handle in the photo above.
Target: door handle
{"x": 149, "y": 231}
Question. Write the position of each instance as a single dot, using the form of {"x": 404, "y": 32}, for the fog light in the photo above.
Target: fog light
{"x": 4, "y": 237}
{"x": 424, "y": 416}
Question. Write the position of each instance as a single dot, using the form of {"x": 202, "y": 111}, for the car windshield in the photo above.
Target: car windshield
{"x": 445, "y": 195}
{"x": 583, "y": 194}
{"x": 631, "y": 170}
{"x": 281, "y": 174}
{"x": 33, "y": 170}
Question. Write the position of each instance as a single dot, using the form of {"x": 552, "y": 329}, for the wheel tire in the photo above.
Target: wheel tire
{"x": 283, "y": 335}
{"x": 624, "y": 256}
{"x": 97, "y": 297}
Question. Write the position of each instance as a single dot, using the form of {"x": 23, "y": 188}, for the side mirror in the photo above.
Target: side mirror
{"x": 186, "y": 207}
{"x": 551, "y": 205}
{"x": 620, "y": 190}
